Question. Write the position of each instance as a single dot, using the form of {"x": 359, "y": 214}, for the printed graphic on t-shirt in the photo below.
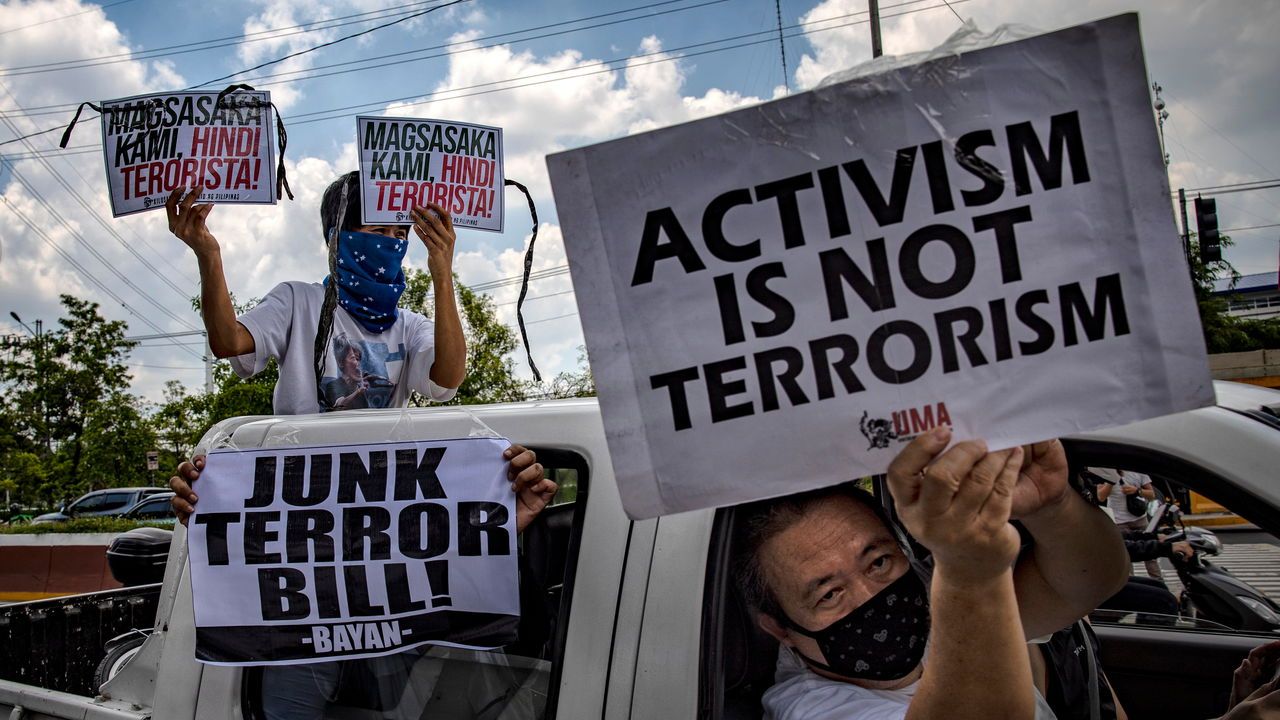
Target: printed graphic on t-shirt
{"x": 359, "y": 374}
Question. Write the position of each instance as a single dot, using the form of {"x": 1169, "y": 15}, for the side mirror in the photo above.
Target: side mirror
{"x": 63, "y": 507}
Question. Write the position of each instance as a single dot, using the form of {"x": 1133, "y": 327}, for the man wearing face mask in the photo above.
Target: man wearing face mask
{"x": 869, "y": 631}
{"x": 403, "y": 351}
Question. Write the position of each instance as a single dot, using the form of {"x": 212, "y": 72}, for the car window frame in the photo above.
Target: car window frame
{"x": 1192, "y": 476}
{"x": 137, "y": 510}
{"x": 718, "y": 583}
{"x": 551, "y": 458}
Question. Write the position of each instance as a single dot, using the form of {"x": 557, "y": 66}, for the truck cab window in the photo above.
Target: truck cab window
{"x": 517, "y": 682}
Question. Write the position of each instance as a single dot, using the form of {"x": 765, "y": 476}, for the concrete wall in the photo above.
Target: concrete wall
{"x": 35, "y": 567}
{"x": 1257, "y": 367}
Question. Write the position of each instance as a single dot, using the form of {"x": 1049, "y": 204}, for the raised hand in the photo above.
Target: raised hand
{"x": 187, "y": 220}
{"x": 184, "y": 498}
{"x": 958, "y": 502}
{"x": 434, "y": 226}
{"x": 1042, "y": 480}
{"x": 533, "y": 491}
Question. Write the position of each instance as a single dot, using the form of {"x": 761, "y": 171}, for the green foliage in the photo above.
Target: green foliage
{"x": 491, "y": 374}
{"x": 1224, "y": 333}
{"x": 80, "y": 525}
{"x": 67, "y": 421}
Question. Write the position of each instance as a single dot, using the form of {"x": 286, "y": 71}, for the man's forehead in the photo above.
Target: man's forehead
{"x": 828, "y": 538}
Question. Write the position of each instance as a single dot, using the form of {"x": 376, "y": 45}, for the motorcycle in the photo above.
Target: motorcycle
{"x": 1209, "y": 591}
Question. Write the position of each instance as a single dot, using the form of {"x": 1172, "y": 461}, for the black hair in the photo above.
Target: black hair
{"x": 331, "y": 205}
{"x": 756, "y": 523}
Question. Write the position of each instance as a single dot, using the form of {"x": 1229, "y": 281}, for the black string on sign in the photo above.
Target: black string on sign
{"x": 282, "y": 137}
{"x": 66, "y": 135}
{"x": 524, "y": 281}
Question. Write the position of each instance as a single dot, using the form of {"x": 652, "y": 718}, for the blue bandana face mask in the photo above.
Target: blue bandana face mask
{"x": 370, "y": 279}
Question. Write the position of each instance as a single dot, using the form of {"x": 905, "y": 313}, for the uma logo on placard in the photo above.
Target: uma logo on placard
{"x": 902, "y": 425}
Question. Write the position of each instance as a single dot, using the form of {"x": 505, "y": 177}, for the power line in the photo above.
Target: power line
{"x": 105, "y": 226}
{"x": 1231, "y": 185}
{"x": 64, "y": 17}
{"x": 209, "y": 44}
{"x": 277, "y": 60}
{"x": 1222, "y": 135}
{"x": 39, "y": 231}
{"x": 374, "y": 61}
{"x": 557, "y": 317}
{"x": 1251, "y": 227}
{"x": 331, "y": 43}
{"x": 341, "y": 112}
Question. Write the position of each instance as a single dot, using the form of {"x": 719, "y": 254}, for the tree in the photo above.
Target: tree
{"x": 573, "y": 383}
{"x": 64, "y": 381}
{"x": 1224, "y": 333}
{"x": 491, "y": 374}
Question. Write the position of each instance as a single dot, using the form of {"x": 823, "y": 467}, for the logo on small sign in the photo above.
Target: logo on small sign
{"x": 902, "y": 425}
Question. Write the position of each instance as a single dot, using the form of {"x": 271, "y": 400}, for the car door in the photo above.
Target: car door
{"x": 1180, "y": 665}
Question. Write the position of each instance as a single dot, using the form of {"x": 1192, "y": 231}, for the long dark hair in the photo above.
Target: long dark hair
{"x": 339, "y": 212}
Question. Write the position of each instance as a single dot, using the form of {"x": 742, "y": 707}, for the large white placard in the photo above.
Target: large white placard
{"x": 778, "y": 298}
{"x": 309, "y": 554}
{"x": 405, "y": 162}
{"x": 154, "y": 144}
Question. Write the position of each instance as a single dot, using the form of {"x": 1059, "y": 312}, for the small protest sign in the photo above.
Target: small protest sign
{"x": 308, "y": 554}
{"x": 406, "y": 162}
{"x": 779, "y": 298}
{"x": 154, "y": 144}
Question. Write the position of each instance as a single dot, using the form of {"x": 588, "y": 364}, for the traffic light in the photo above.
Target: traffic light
{"x": 1207, "y": 227}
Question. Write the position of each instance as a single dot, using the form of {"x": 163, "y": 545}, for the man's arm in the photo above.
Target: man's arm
{"x": 227, "y": 337}
{"x": 1077, "y": 559}
{"x": 957, "y": 504}
{"x": 434, "y": 226}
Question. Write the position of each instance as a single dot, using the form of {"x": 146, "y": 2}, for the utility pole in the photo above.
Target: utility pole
{"x": 38, "y": 334}
{"x": 1161, "y": 116}
{"x": 876, "y": 49}
{"x": 1186, "y": 231}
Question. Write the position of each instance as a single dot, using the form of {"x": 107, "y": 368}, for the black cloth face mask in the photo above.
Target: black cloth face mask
{"x": 881, "y": 639}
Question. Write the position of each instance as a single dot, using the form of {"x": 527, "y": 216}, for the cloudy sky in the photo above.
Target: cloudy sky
{"x": 553, "y": 75}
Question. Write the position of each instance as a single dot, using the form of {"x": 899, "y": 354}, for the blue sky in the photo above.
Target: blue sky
{"x": 1216, "y": 61}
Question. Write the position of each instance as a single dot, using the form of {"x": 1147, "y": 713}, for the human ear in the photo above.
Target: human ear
{"x": 773, "y": 628}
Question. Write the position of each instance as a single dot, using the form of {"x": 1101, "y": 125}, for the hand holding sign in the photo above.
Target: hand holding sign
{"x": 307, "y": 554}
{"x": 434, "y": 226}
{"x": 187, "y": 220}
{"x": 1042, "y": 480}
{"x": 533, "y": 491}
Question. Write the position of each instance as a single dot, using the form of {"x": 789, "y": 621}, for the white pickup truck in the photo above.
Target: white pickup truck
{"x": 630, "y": 619}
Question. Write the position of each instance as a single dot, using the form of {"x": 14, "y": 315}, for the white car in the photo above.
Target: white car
{"x": 630, "y": 619}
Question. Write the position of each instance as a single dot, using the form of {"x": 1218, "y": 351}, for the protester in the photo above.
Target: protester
{"x": 372, "y": 355}
{"x": 306, "y": 692}
{"x": 1130, "y": 485}
{"x": 864, "y": 632}
{"x": 406, "y": 349}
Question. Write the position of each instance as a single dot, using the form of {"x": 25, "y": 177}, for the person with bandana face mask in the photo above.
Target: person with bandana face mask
{"x": 868, "y": 630}
{"x": 396, "y": 351}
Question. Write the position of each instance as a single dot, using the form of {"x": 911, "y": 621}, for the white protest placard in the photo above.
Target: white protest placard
{"x": 412, "y": 161}
{"x": 308, "y": 554}
{"x": 779, "y": 298}
{"x": 154, "y": 144}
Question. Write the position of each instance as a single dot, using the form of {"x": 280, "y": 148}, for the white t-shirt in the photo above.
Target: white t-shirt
{"x": 799, "y": 693}
{"x": 375, "y": 370}
{"x": 1117, "y": 500}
